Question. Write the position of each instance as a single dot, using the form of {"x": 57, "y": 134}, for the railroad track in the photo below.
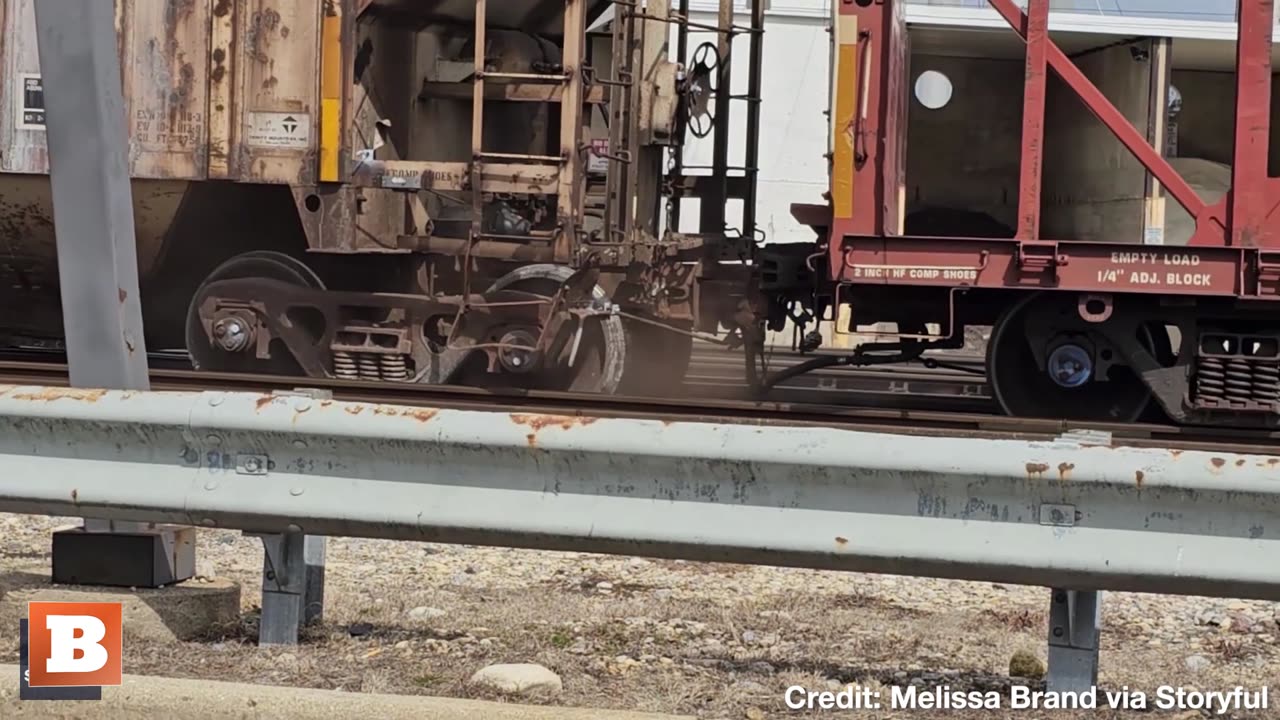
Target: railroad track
{"x": 717, "y": 373}
{"x": 960, "y": 385}
{"x": 869, "y": 419}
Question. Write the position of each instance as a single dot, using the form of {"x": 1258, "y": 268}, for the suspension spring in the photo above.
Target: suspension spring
{"x": 394, "y": 368}
{"x": 368, "y": 363}
{"x": 1239, "y": 381}
{"x": 1211, "y": 380}
{"x": 1266, "y": 382}
{"x": 344, "y": 366}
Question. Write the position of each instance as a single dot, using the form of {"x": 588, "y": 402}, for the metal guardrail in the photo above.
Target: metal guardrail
{"x": 1061, "y": 514}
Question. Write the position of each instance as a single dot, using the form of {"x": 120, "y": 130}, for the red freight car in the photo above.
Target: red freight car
{"x": 1104, "y": 323}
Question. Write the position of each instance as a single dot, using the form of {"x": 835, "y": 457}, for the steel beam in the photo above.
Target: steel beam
{"x": 92, "y": 201}
{"x": 1249, "y": 196}
{"x": 97, "y": 255}
{"x": 1033, "y": 99}
{"x": 1054, "y": 514}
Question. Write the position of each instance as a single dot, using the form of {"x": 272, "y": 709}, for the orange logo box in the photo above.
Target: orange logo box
{"x": 74, "y": 644}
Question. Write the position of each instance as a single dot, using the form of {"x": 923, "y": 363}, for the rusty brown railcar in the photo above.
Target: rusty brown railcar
{"x": 442, "y": 191}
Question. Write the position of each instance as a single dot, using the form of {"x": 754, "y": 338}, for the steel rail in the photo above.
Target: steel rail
{"x": 1054, "y": 513}
{"x": 868, "y": 419}
{"x": 721, "y": 373}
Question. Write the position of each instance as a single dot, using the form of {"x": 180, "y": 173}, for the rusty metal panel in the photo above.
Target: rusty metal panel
{"x": 221, "y": 118}
{"x": 277, "y": 68}
{"x": 165, "y": 49}
{"x": 23, "y": 146}
{"x": 166, "y": 83}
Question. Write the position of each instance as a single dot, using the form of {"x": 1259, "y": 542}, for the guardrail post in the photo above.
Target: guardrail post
{"x": 292, "y": 585}
{"x": 313, "y": 554}
{"x": 1075, "y": 624}
{"x": 97, "y": 269}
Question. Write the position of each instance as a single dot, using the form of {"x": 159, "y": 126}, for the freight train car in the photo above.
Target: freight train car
{"x": 408, "y": 190}
{"x": 1085, "y": 197}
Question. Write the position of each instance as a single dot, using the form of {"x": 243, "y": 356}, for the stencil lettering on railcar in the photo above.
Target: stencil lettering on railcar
{"x": 1141, "y": 268}
{"x": 176, "y": 128}
{"x": 883, "y": 272}
{"x": 1155, "y": 258}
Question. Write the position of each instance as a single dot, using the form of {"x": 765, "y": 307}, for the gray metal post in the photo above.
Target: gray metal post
{"x": 97, "y": 266}
{"x": 1075, "y": 624}
{"x": 292, "y": 586}
{"x": 313, "y": 553}
{"x": 92, "y": 201}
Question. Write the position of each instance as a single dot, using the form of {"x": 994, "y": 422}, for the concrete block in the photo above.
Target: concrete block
{"x": 151, "y": 557}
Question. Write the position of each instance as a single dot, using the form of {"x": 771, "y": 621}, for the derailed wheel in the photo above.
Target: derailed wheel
{"x": 231, "y": 346}
{"x": 597, "y": 355}
{"x": 1068, "y": 383}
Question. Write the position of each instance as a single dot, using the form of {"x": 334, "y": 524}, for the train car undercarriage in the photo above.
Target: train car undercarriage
{"x": 511, "y": 263}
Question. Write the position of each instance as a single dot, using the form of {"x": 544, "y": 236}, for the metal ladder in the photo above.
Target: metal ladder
{"x": 571, "y": 178}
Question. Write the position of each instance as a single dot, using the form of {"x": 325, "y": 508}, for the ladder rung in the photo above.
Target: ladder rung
{"x": 618, "y": 82}
{"x": 522, "y": 76}
{"x": 514, "y": 156}
{"x": 622, "y": 156}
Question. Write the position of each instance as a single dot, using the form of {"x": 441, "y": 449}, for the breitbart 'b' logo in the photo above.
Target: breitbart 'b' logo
{"x": 74, "y": 644}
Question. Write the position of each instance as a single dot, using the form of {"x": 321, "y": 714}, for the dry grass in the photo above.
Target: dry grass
{"x": 714, "y": 641}
{"x": 1018, "y": 619}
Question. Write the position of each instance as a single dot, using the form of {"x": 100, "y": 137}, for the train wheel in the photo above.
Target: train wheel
{"x": 232, "y": 354}
{"x": 601, "y": 354}
{"x": 1067, "y": 388}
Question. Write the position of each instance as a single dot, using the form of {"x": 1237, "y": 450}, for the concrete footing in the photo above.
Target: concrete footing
{"x": 193, "y": 610}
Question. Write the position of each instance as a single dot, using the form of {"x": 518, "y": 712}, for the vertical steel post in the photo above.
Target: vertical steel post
{"x": 92, "y": 201}
{"x": 98, "y": 267}
{"x": 1253, "y": 123}
{"x": 711, "y": 206}
{"x": 676, "y": 167}
{"x": 477, "y": 129}
{"x": 1159, "y": 130}
{"x": 292, "y": 585}
{"x": 1033, "y": 94}
{"x": 645, "y": 171}
{"x": 751, "y": 171}
{"x": 1075, "y": 622}
{"x": 572, "y": 171}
